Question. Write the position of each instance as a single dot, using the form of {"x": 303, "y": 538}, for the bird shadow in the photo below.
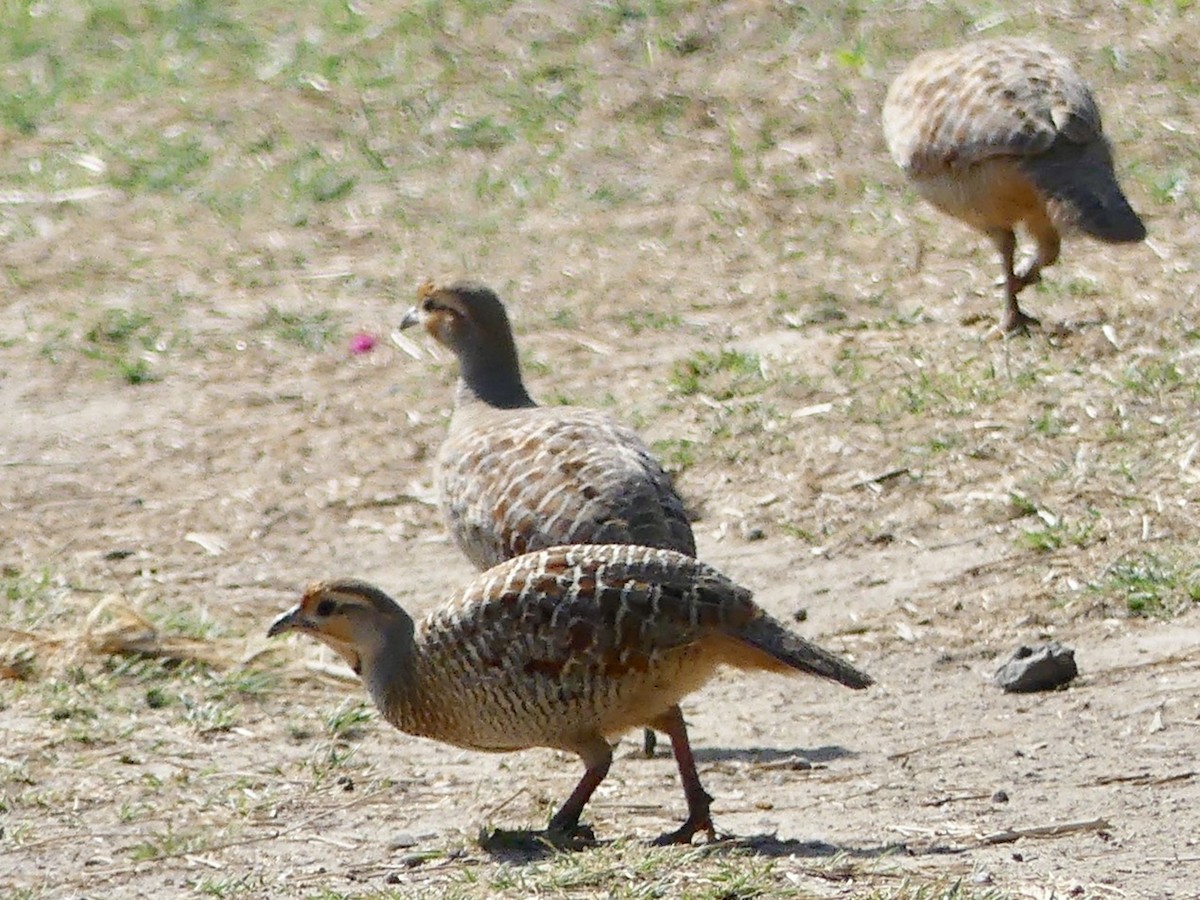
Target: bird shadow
{"x": 770, "y": 845}
{"x": 767, "y": 755}
{"x": 529, "y": 845}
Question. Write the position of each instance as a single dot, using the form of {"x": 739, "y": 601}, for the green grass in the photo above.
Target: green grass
{"x": 1058, "y": 534}
{"x": 311, "y": 329}
{"x": 723, "y": 375}
{"x": 1149, "y": 584}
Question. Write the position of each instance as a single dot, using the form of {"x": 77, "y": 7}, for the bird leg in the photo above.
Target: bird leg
{"x": 649, "y": 742}
{"x": 698, "y": 800}
{"x": 1014, "y": 319}
{"x": 597, "y": 757}
{"x": 1048, "y": 245}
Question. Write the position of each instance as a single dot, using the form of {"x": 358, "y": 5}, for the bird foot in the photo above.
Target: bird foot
{"x": 570, "y": 837}
{"x": 576, "y": 838}
{"x": 1017, "y": 322}
{"x": 685, "y": 832}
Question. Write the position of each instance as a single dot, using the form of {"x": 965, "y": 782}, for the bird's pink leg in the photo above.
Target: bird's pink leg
{"x": 698, "y": 800}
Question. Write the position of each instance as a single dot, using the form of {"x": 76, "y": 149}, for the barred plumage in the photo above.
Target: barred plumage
{"x": 1005, "y": 132}
{"x": 514, "y": 476}
{"x": 563, "y": 648}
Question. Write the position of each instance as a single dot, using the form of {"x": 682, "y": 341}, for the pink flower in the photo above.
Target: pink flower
{"x": 362, "y": 343}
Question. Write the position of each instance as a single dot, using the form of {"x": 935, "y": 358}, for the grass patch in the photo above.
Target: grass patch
{"x": 1152, "y": 585}
{"x": 130, "y": 342}
{"x": 1058, "y": 534}
{"x": 723, "y": 375}
{"x": 675, "y": 454}
{"x": 312, "y": 330}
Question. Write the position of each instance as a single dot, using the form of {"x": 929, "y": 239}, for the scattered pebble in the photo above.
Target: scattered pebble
{"x": 1041, "y": 668}
{"x": 752, "y": 533}
{"x": 1000, "y": 796}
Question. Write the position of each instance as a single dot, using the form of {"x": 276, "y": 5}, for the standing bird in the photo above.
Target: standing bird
{"x": 563, "y": 648}
{"x": 1005, "y": 132}
{"x": 514, "y": 476}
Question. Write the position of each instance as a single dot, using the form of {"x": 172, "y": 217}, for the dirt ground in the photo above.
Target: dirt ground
{"x": 886, "y": 473}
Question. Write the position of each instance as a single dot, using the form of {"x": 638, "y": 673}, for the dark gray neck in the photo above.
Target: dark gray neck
{"x": 492, "y": 375}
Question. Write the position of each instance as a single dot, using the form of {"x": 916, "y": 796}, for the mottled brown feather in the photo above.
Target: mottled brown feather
{"x": 514, "y": 477}
{"x": 1005, "y": 133}
{"x": 562, "y": 648}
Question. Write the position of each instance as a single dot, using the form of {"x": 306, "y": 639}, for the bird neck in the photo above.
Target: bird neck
{"x": 390, "y": 675}
{"x": 492, "y": 375}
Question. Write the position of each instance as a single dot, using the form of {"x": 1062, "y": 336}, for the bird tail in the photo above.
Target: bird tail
{"x": 765, "y": 644}
{"x": 1082, "y": 191}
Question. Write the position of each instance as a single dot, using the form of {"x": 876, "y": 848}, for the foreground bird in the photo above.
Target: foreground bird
{"x": 563, "y": 648}
{"x": 1004, "y": 132}
{"x": 514, "y": 476}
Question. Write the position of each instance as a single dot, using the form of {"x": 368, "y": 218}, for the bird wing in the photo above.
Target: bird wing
{"x": 955, "y": 108}
{"x": 522, "y": 480}
{"x": 602, "y": 610}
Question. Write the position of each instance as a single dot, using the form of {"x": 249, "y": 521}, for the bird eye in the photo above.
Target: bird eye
{"x": 325, "y": 608}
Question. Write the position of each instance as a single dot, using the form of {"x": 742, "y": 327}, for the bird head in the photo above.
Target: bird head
{"x": 459, "y": 316}
{"x": 470, "y": 320}
{"x": 350, "y": 616}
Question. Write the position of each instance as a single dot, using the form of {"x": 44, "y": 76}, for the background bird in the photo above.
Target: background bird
{"x": 1001, "y": 133}
{"x": 514, "y": 476}
{"x": 564, "y": 648}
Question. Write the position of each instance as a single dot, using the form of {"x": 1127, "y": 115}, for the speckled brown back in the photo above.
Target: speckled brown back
{"x": 1019, "y": 105}
{"x": 517, "y": 480}
{"x": 1008, "y": 97}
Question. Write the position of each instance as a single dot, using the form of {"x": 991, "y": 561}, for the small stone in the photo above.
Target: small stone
{"x": 1001, "y": 796}
{"x": 752, "y": 533}
{"x": 346, "y": 783}
{"x": 1041, "y": 668}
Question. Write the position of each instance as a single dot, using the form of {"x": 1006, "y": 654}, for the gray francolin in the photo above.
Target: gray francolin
{"x": 514, "y": 476}
{"x": 1001, "y": 133}
{"x": 563, "y": 648}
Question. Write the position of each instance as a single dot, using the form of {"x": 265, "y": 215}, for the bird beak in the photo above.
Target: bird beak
{"x": 291, "y": 620}
{"x": 411, "y": 318}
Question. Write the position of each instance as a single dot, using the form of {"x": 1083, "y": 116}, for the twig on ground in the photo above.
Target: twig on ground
{"x": 1012, "y": 834}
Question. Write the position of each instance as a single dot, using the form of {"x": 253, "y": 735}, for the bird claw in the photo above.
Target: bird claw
{"x": 684, "y": 833}
{"x": 574, "y": 837}
{"x": 1018, "y": 323}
